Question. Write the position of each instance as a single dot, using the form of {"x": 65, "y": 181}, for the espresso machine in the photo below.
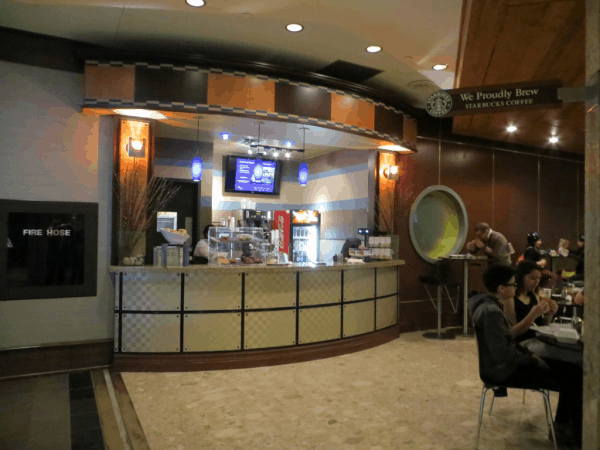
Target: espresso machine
{"x": 253, "y": 218}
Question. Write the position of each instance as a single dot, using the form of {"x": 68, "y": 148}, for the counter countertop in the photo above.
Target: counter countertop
{"x": 296, "y": 267}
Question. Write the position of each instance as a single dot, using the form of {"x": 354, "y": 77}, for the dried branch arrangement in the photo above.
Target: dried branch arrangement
{"x": 138, "y": 204}
{"x": 387, "y": 206}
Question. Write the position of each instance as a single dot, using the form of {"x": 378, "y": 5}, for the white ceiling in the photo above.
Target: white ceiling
{"x": 319, "y": 140}
{"x": 414, "y": 34}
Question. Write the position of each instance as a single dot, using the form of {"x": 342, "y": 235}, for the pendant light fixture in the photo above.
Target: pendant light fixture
{"x": 303, "y": 169}
{"x": 197, "y": 165}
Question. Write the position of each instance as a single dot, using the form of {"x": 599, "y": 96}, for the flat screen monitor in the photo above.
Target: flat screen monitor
{"x": 251, "y": 175}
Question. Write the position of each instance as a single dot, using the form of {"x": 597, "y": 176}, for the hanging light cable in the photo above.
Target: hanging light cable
{"x": 197, "y": 165}
{"x": 303, "y": 169}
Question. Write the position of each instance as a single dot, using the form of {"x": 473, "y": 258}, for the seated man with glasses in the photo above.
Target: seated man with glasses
{"x": 505, "y": 362}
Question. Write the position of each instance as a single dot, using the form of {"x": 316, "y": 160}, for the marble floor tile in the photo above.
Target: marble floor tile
{"x": 34, "y": 413}
{"x": 411, "y": 393}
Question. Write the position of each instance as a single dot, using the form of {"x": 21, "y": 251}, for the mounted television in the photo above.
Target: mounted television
{"x": 252, "y": 175}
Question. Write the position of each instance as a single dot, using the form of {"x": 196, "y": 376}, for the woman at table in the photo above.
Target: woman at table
{"x": 532, "y": 251}
{"x": 527, "y": 306}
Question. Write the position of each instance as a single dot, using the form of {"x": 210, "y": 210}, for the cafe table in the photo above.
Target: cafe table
{"x": 548, "y": 346}
{"x": 575, "y": 310}
{"x": 466, "y": 331}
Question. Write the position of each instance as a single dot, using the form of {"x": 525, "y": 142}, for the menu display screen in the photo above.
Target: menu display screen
{"x": 252, "y": 175}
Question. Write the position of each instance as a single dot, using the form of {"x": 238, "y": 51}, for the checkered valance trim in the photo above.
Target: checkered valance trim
{"x": 188, "y": 107}
{"x": 242, "y": 74}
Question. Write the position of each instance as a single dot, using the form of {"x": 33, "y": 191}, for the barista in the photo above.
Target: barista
{"x": 201, "y": 251}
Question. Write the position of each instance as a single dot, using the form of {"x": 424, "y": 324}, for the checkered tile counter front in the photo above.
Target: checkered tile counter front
{"x": 213, "y": 291}
{"x": 152, "y": 291}
{"x": 320, "y": 324}
{"x": 387, "y": 281}
{"x": 359, "y": 318}
{"x": 320, "y": 287}
{"x": 212, "y": 332}
{"x": 150, "y": 333}
{"x": 387, "y": 312}
{"x": 359, "y": 284}
{"x": 270, "y": 290}
{"x": 116, "y": 332}
{"x": 117, "y": 280}
{"x": 270, "y": 329}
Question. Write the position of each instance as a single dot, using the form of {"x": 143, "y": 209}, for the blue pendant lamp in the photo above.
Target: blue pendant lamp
{"x": 197, "y": 165}
{"x": 303, "y": 169}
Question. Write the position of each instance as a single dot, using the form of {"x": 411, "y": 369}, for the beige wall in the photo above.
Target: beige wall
{"x": 49, "y": 151}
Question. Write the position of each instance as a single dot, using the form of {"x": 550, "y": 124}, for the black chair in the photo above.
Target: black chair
{"x": 440, "y": 284}
{"x": 501, "y": 390}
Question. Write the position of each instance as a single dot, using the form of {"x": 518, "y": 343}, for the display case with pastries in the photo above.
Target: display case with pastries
{"x": 239, "y": 245}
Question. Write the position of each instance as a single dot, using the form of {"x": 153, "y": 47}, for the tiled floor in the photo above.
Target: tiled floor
{"x": 408, "y": 394}
{"x": 51, "y": 412}
{"x": 86, "y": 433}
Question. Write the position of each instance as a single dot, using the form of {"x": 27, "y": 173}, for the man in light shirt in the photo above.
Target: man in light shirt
{"x": 490, "y": 243}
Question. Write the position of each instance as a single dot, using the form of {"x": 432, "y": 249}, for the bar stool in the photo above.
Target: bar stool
{"x": 440, "y": 284}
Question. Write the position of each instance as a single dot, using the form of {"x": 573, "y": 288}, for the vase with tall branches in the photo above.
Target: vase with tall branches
{"x": 389, "y": 203}
{"x": 139, "y": 202}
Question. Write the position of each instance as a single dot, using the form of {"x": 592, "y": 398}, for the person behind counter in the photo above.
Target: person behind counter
{"x": 200, "y": 255}
{"x": 491, "y": 243}
{"x": 504, "y": 361}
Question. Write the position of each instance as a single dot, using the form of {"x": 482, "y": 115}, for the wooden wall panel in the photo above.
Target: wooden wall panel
{"x": 515, "y": 198}
{"x": 169, "y": 85}
{"x": 241, "y": 92}
{"x": 481, "y": 175}
{"x": 558, "y": 201}
{"x": 352, "y": 111}
{"x": 114, "y": 83}
{"x": 303, "y": 101}
{"x": 421, "y": 172}
{"x": 581, "y": 200}
{"x": 389, "y": 122}
{"x": 468, "y": 171}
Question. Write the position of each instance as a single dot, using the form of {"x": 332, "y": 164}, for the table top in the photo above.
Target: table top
{"x": 295, "y": 267}
{"x": 551, "y": 340}
{"x": 463, "y": 257}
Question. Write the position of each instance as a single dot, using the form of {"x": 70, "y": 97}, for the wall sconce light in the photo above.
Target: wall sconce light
{"x": 391, "y": 172}
{"x": 136, "y": 148}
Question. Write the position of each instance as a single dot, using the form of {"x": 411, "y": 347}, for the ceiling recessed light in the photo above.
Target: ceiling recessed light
{"x": 440, "y": 66}
{"x": 225, "y": 136}
{"x": 143, "y": 113}
{"x": 294, "y": 27}
{"x": 374, "y": 49}
{"x": 287, "y": 154}
{"x": 511, "y": 128}
{"x": 288, "y": 144}
{"x": 275, "y": 154}
{"x": 195, "y": 3}
{"x": 249, "y": 151}
{"x": 553, "y": 140}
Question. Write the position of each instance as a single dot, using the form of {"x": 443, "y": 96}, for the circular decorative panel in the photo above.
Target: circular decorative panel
{"x": 438, "y": 223}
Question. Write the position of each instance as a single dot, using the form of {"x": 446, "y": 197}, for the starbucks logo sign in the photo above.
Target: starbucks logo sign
{"x": 439, "y": 104}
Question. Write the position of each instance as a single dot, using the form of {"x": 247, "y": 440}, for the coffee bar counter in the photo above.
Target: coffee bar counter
{"x": 206, "y": 317}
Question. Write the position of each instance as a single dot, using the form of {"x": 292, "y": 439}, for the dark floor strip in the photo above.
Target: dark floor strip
{"x": 86, "y": 432}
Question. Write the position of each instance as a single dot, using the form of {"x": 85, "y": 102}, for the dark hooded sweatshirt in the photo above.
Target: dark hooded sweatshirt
{"x": 499, "y": 354}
